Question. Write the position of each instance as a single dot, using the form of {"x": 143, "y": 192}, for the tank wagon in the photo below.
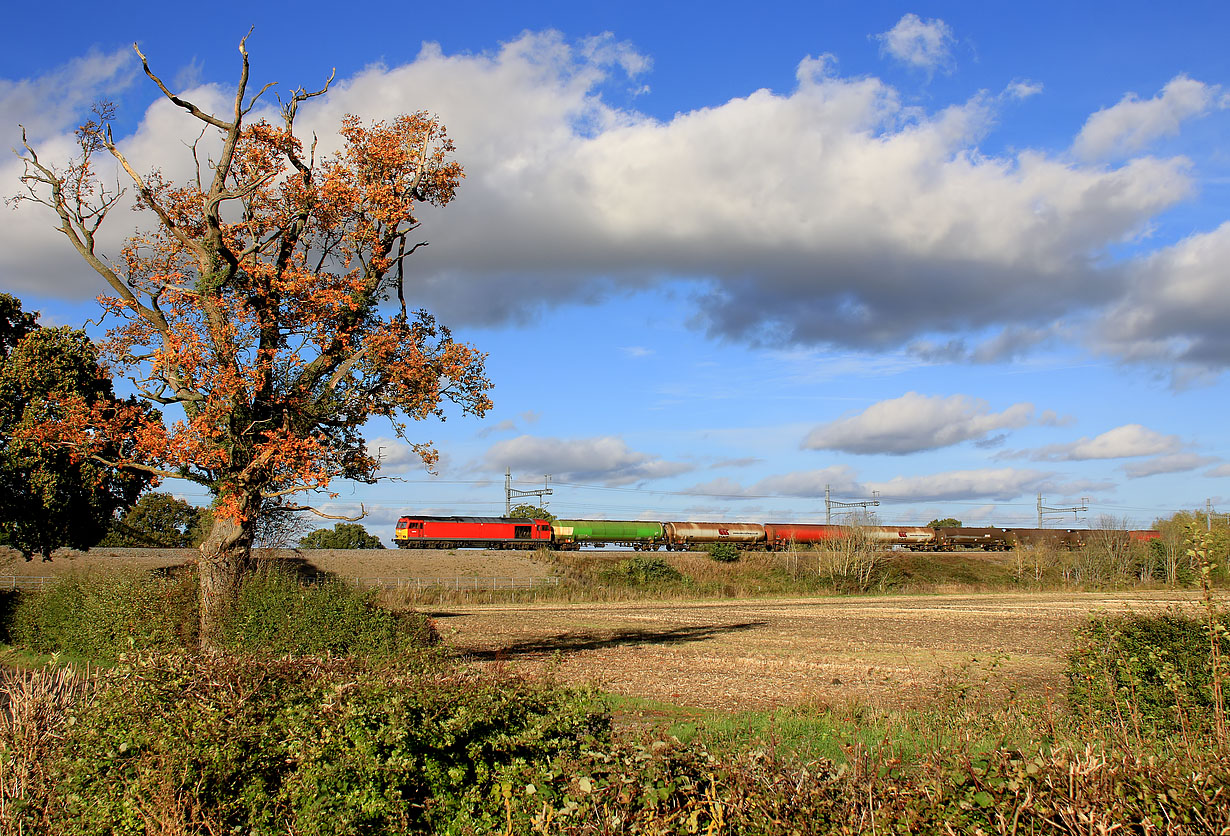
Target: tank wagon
{"x": 681, "y": 536}
{"x": 780, "y": 537}
{"x": 472, "y": 532}
{"x": 640, "y": 535}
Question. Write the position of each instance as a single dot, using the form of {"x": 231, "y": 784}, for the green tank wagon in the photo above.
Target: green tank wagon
{"x": 640, "y": 535}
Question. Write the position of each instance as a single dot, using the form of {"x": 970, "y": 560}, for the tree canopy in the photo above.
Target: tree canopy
{"x": 159, "y": 520}
{"x": 50, "y": 497}
{"x": 947, "y": 522}
{"x": 531, "y": 512}
{"x": 343, "y": 535}
{"x": 252, "y": 304}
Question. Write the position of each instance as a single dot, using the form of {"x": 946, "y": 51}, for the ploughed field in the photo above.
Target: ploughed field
{"x": 883, "y": 651}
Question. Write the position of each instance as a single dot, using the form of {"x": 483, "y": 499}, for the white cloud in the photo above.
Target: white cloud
{"x": 858, "y": 220}
{"x": 1000, "y": 484}
{"x": 1173, "y": 463}
{"x": 1222, "y": 470}
{"x": 605, "y": 459}
{"x": 53, "y": 103}
{"x": 395, "y": 455}
{"x": 1175, "y": 307}
{"x": 1132, "y": 124}
{"x": 1127, "y": 441}
{"x": 914, "y": 422}
{"x": 923, "y": 44}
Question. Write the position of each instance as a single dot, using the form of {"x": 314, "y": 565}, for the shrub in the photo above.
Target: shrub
{"x": 1150, "y": 667}
{"x": 341, "y": 536}
{"x": 644, "y": 571}
{"x": 229, "y": 745}
{"x": 276, "y": 614}
{"x": 723, "y": 552}
{"x": 99, "y": 618}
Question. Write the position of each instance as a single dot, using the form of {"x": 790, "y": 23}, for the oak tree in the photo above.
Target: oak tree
{"x": 160, "y": 521}
{"x": 50, "y": 497}
{"x": 251, "y": 306}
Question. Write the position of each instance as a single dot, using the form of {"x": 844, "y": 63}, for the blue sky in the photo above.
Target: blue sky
{"x": 959, "y": 254}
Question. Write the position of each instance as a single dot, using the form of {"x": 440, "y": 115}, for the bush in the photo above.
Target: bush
{"x": 1151, "y": 667}
{"x": 276, "y": 614}
{"x": 99, "y": 618}
{"x": 235, "y": 745}
{"x": 341, "y": 536}
{"x": 644, "y": 571}
{"x": 723, "y": 552}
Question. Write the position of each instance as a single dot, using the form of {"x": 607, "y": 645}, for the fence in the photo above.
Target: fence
{"x": 457, "y": 583}
{"x": 12, "y": 582}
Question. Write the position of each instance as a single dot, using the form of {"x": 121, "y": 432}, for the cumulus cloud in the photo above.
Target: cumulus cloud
{"x": 53, "y": 103}
{"x": 394, "y": 455}
{"x": 858, "y": 220}
{"x": 1133, "y": 123}
{"x": 1128, "y": 441}
{"x": 1175, "y": 307}
{"x": 914, "y": 422}
{"x": 922, "y": 44}
{"x": 1218, "y": 472}
{"x": 1173, "y": 463}
{"x": 605, "y": 459}
{"x": 999, "y": 484}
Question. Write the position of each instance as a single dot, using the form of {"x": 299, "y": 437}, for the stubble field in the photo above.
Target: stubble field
{"x": 892, "y": 651}
{"x": 888, "y": 651}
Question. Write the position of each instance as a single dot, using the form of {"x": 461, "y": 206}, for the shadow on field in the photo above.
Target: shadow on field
{"x": 8, "y": 601}
{"x": 569, "y": 642}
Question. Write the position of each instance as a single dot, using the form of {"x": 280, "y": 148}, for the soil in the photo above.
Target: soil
{"x": 729, "y": 655}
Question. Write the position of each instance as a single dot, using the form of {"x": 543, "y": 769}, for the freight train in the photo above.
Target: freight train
{"x": 425, "y": 532}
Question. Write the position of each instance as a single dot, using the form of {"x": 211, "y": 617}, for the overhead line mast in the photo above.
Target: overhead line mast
{"x": 510, "y": 492}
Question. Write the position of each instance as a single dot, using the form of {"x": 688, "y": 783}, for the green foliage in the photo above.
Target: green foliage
{"x": 723, "y": 552}
{"x": 1153, "y": 667}
{"x": 531, "y": 512}
{"x": 100, "y": 618}
{"x": 49, "y": 497}
{"x": 232, "y": 745}
{"x": 947, "y": 522}
{"x": 159, "y": 520}
{"x": 343, "y": 535}
{"x": 644, "y": 571}
{"x": 275, "y": 614}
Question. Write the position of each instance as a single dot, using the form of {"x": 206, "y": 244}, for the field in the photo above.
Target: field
{"x": 341, "y": 562}
{"x": 732, "y": 655}
{"x": 720, "y": 654}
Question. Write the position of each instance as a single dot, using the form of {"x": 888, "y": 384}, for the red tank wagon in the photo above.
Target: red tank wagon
{"x": 472, "y": 532}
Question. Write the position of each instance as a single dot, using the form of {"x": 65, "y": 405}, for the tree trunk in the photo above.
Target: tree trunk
{"x": 226, "y": 558}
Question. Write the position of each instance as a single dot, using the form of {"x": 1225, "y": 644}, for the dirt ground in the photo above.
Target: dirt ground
{"x": 883, "y": 652}
{"x": 367, "y": 563}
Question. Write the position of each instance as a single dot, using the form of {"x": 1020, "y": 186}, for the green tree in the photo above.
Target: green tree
{"x": 342, "y": 536}
{"x": 160, "y": 521}
{"x": 49, "y": 497}
{"x": 531, "y": 512}
{"x": 947, "y": 522}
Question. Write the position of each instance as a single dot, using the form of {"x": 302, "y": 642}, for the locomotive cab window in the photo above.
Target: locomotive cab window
{"x": 522, "y": 532}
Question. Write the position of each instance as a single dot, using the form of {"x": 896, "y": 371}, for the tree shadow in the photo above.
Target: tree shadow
{"x": 598, "y": 639}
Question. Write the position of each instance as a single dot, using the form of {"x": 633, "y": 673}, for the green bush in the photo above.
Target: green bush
{"x": 644, "y": 571}
{"x": 240, "y": 745}
{"x": 98, "y": 618}
{"x": 276, "y": 614}
{"x": 723, "y": 552}
{"x": 1146, "y": 666}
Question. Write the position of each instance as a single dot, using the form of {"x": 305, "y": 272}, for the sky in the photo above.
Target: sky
{"x": 952, "y": 256}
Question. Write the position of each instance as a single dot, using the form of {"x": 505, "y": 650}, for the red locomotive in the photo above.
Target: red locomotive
{"x": 472, "y": 532}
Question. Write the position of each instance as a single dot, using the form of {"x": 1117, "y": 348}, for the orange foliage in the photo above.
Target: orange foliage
{"x": 254, "y": 303}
